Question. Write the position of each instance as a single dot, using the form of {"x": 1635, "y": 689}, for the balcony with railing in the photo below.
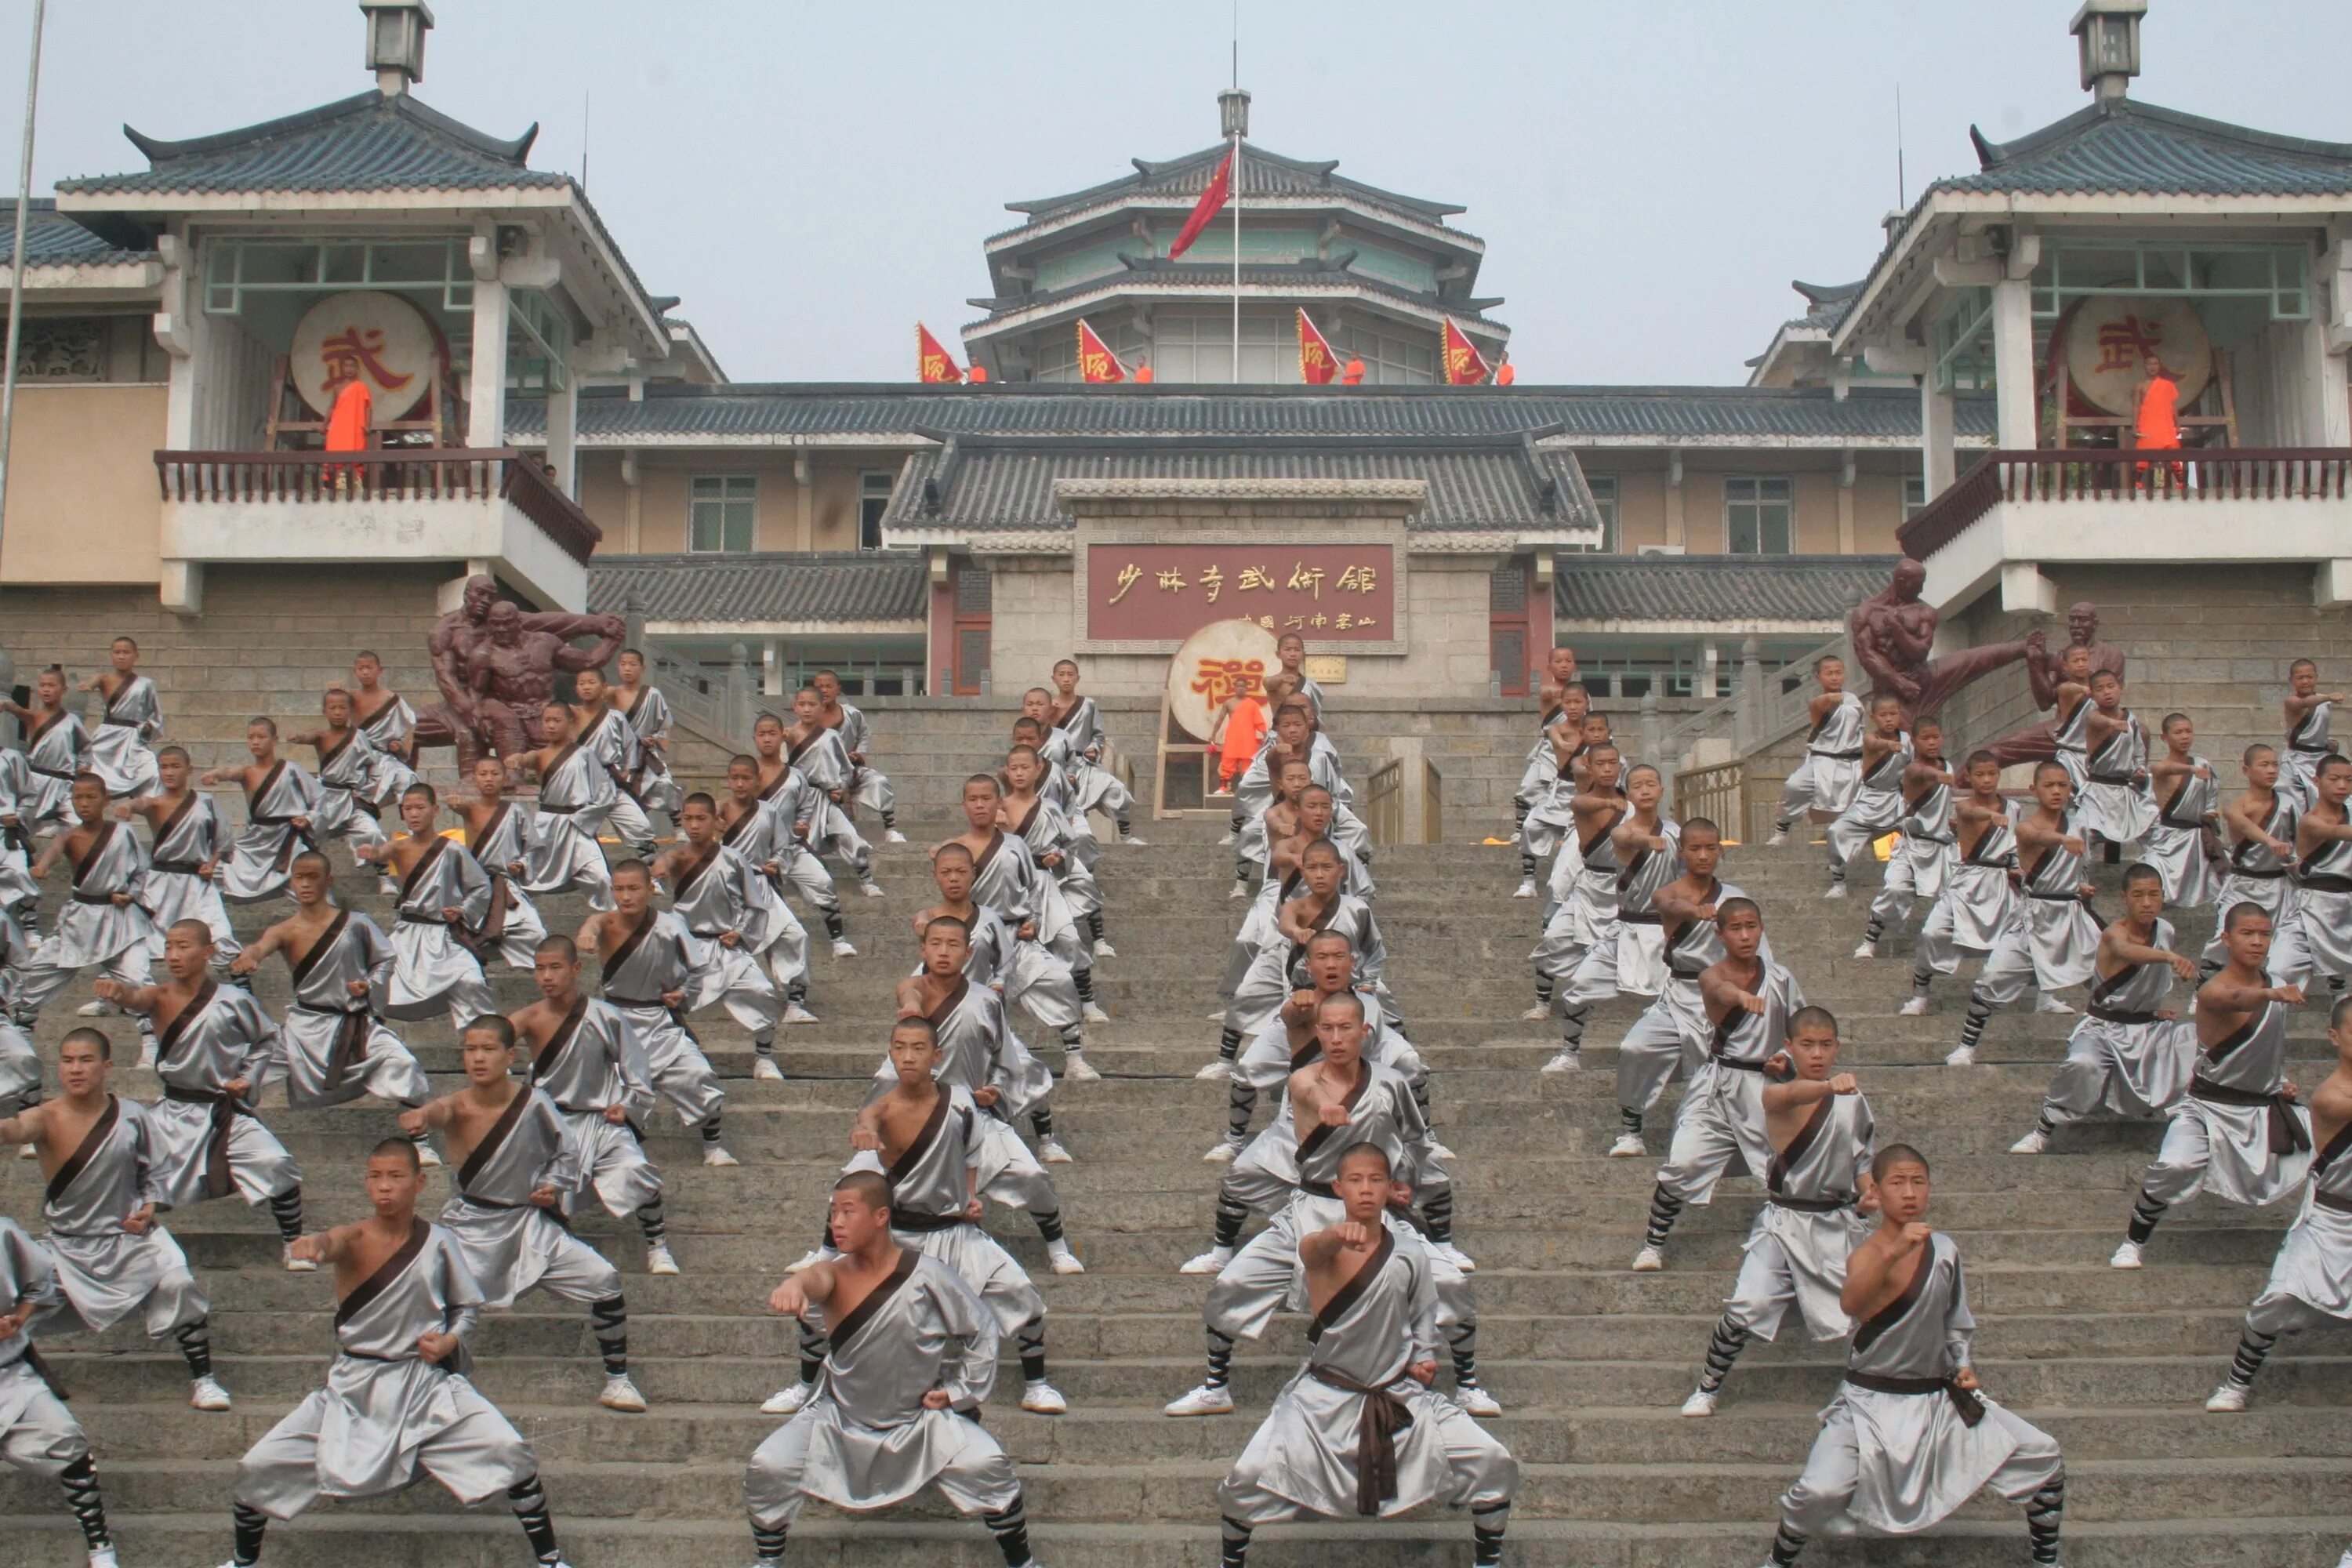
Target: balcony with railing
{"x": 493, "y": 509}
{"x": 2014, "y": 511}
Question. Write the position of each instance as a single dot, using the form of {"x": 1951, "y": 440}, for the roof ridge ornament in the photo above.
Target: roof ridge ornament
{"x": 2106, "y": 34}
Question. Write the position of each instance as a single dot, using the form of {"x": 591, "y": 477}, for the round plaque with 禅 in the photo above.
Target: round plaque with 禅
{"x": 381, "y": 337}
{"x": 1216, "y": 662}
{"x": 2110, "y": 338}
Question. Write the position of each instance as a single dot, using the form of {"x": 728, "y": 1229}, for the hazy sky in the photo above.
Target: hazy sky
{"x": 813, "y": 178}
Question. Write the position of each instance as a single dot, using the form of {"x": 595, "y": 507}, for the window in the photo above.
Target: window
{"x": 1915, "y": 497}
{"x": 1604, "y": 502}
{"x": 720, "y": 510}
{"x": 1760, "y": 515}
{"x": 873, "y": 501}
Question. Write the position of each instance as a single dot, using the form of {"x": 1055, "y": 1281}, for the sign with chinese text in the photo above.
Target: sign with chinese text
{"x": 1157, "y": 593}
{"x": 2109, "y": 336}
{"x": 381, "y": 337}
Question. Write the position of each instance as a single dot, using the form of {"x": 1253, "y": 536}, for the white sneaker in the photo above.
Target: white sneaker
{"x": 1453, "y": 1255}
{"x": 1914, "y": 1008}
{"x": 765, "y": 1070}
{"x": 620, "y": 1393}
{"x": 1076, "y": 1068}
{"x": 1216, "y": 1071}
{"x": 1565, "y": 1060}
{"x": 1476, "y": 1401}
{"x": 1093, "y": 1014}
{"x": 1220, "y": 1153}
{"x": 427, "y": 1156}
{"x": 1212, "y": 1261}
{"x": 1103, "y": 948}
{"x": 1228, "y": 838}
{"x": 797, "y": 1013}
{"x": 2230, "y": 1399}
{"x": 1241, "y": 890}
{"x": 1867, "y": 950}
{"x": 1699, "y": 1405}
{"x": 2034, "y": 1142}
{"x": 716, "y": 1156}
{"x": 2051, "y": 1005}
{"x": 1059, "y": 1256}
{"x": 1051, "y": 1153}
{"x": 1649, "y": 1260}
{"x": 104, "y": 1558}
{"x": 207, "y": 1394}
{"x": 1440, "y": 1152}
{"x": 1539, "y": 1014}
{"x": 1202, "y": 1401}
{"x": 2128, "y": 1256}
{"x": 1779, "y": 836}
{"x": 872, "y": 890}
{"x": 1218, "y": 1016}
{"x": 1135, "y": 841}
{"x": 1629, "y": 1146}
{"x": 1962, "y": 1056}
{"x": 658, "y": 1260}
{"x": 841, "y": 947}
{"x": 787, "y": 1400}
{"x": 893, "y": 836}
{"x": 1042, "y": 1398}
{"x": 1526, "y": 889}
{"x": 1836, "y": 890}
{"x": 97, "y": 1010}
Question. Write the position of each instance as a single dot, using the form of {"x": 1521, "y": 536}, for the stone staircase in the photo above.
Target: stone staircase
{"x": 1589, "y": 1360}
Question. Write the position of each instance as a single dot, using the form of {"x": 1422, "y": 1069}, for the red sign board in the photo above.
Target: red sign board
{"x": 1165, "y": 592}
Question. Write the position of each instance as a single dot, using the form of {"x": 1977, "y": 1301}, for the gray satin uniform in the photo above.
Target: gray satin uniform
{"x": 592, "y": 1061}
{"x": 512, "y": 925}
{"x": 335, "y": 1048}
{"x": 265, "y": 847}
{"x": 432, "y": 971}
{"x": 119, "y": 752}
{"x": 930, "y": 1184}
{"x": 207, "y": 1144}
{"x": 2235, "y": 1134}
{"x": 1796, "y": 1251}
{"x": 575, "y": 795}
{"x": 104, "y": 1273}
{"x": 2122, "y": 1059}
{"x": 193, "y": 834}
{"x": 38, "y": 1433}
{"x": 978, "y": 1051}
{"x": 660, "y": 957}
{"x": 509, "y": 1245}
{"x": 1722, "y": 1112}
{"x": 2174, "y": 846}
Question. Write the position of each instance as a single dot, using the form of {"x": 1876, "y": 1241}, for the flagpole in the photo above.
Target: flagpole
{"x": 1233, "y": 112}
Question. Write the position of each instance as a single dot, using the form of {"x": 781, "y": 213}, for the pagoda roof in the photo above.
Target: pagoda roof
{"x": 830, "y": 585}
{"x": 1158, "y": 274}
{"x": 1725, "y": 589}
{"x": 2125, "y": 147}
{"x": 1265, "y": 175}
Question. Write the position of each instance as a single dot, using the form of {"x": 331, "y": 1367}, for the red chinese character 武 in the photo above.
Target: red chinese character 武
{"x": 359, "y": 350}
{"x": 1218, "y": 679}
{"x": 2125, "y": 342}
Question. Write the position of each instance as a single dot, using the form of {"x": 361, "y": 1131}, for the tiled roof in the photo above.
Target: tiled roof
{"x": 823, "y": 585}
{"x": 1715, "y": 587}
{"x": 1264, "y": 174}
{"x": 984, "y": 483}
{"x": 2128, "y": 147}
{"x": 784, "y": 411}
{"x": 53, "y": 240}
{"x": 365, "y": 142}
{"x": 1217, "y": 277}
{"x": 1826, "y": 303}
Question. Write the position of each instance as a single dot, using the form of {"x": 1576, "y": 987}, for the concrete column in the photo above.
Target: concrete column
{"x": 486, "y": 386}
{"x": 1846, "y": 468}
{"x": 1750, "y": 719}
{"x": 632, "y": 505}
{"x": 804, "y": 501}
{"x": 2012, "y": 362}
{"x": 563, "y": 436}
{"x": 771, "y": 668}
{"x": 1936, "y": 436}
{"x": 1654, "y": 734}
{"x": 1675, "y": 497}
{"x": 1710, "y": 661}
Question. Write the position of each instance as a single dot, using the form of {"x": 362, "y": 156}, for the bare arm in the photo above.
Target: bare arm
{"x": 324, "y": 1245}
{"x": 1869, "y": 1268}
{"x": 24, "y": 1127}
{"x": 2035, "y": 834}
{"x": 1806, "y": 1091}
{"x": 432, "y": 1113}
{"x": 274, "y": 940}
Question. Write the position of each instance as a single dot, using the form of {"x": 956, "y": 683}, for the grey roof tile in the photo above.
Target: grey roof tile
{"x": 811, "y": 586}
{"x": 1715, "y": 587}
{"x": 1264, "y": 174}
{"x": 1217, "y": 278}
{"x": 2128, "y": 147}
{"x": 53, "y": 239}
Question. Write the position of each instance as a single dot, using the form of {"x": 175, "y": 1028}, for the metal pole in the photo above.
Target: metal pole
{"x": 16, "y": 269}
{"x": 1236, "y": 197}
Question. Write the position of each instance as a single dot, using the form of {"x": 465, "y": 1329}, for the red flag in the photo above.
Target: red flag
{"x": 1096, "y": 361}
{"x": 933, "y": 363}
{"x": 1211, "y": 202}
{"x": 1464, "y": 366}
{"x": 1317, "y": 364}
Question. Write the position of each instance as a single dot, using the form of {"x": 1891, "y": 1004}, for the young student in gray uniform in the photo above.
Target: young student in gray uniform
{"x": 1877, "y": 808}
{"x": 2115, "y": 805}
{"x": 1041, "y": 972}
{"x": 1286, "y": 1042}
{"x": 103, "y": 926}
{"x": 2260, "y": 829}
{"x": 766, "y": 835}
{"x": 2051, "y": 939}
{"x": 1911, "y": 1434}
{"x": 1588, "y": 916}
{"x": 655, "y": 972}
{"x": 1816, "y": 1192}
{"x": 602, "y": 730}
{"x": 820, "y": 755}
{"x": 133, "y": 716}
{"x": 1542, "y": 769}
{"x": 514, "y": 1165}
{"x": 575, "y": 795}
{"x": 1093, "y": 787}
{"x": 280, "y": 796}
{"x": 398, "y": 1404}
{"x": 112, "y": 1258}
{"x": 189, "y": 838}
{"x": 212, "y": 1043}
{"x": 2308, "y": 713}
{"x": 648, "y": 711}
{"x": 2130, "y": 1055}
{"x": 38, "y": 1433}
{"x": 1749, "y": 998}
{"x": 1672, "y": 1034}
{"x": 1549, "y": 783}
{"x": 1923, "y": 859}
{"x": 2185, "y": 840}
{"x": 2311, "y": 1280}
{"x": 729, "y": 907}
{"x": 498, "y": 831}
{"x": 1825, "y": 781}
{"x": 1618, "y": 934}
{"x": 443, "y": 894}
{"x": 1979, "y": 896}
{"x": 910, "y": 1356}
{"x": 2316, "y": 937}
{"x": 20, "y": 1064}
{"x": 1357, "y": 1432}
{"x": 2238, "y": 1134}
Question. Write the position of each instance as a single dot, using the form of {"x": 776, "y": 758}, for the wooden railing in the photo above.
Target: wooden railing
{"x": 1739, "y": 800}
{"x": 1433, "y": 803}
{"x": 2164, "y": 475}
{"x": 395, "y": 473}
{"x": 1384, "y": 802}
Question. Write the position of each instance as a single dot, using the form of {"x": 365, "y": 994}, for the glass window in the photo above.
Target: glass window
{"x": 1915, "y": 497}
{"x": 1760, "y": 515}
{"x": 719, "y": 510}
{"x": 873, "y": 501}
{"x": 1604, "y": 501}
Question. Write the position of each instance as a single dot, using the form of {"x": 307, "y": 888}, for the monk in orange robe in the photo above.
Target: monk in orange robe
{"x": 348, "y": 419}
{"x": 2156, "y": 423}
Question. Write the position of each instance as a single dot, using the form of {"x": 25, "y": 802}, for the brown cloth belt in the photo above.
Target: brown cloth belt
{"x": 1809, "y": 1205}
{"x": 178, "y": 868}
{"x": 1384, "y": 1416}
{"x": 2285, "y": 1134}
{"x": 2330, "y": 1201}
{"x": 224, "y": 1112}
{"x": 925, "y": 1224}
{"x": 1964, "y": 1400}
{"x": 2115, "y": 1016}
{"x": 350, "y": 1040}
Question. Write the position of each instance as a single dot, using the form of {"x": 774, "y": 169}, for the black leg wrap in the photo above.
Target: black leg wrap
{"x": 1095, "y": 924}
{"x": 1874, "y": 929}
{"x": 1572, "y": 1016}
{"x": 249, "y": 1524}
{"x": 1221, "y": 1358}
{"x": 1723, "y": 1347}
{"x": 1664, "y": 1209}
{"x": 2146, "y": 1212}
{"x": 1437, "y": 1213}
{"x": 653, "y": 1222}
{"x": 2254, "y": 1349}
{"x": 1787, "y": 1545}
{"x": 1972, "y": 1027}
{"x": 1462, "y": 1339}
{"x": 1230, "y": 1217}
{"x": 833, "y": 924}
{"x": 815, "y": 1344}
{"x": 711, "y": 1128}
{"x": 1229, "y": 1043}
{"x": 286, "y": 1208}
{"x": 1241, "y": 1103}
{"x": 1486, "y": 1527}
{"x": 1543, "y": 990}
{"x": 1011, "y": 1530}
{"x": 609, "y": 1321}
{"x": 2043, "y": 1512}
{"x": 530, "y": 1503}
{"x": 195, "y": 1342}
{"x": 1031, "y": 1338}
{"x": 1049, "y": 1224}
{"x": 1632, "y": 1118}
{"x": 1041, "y": 1123}
{"x": 768, "y": 1544}
{"x": 1085, "y": 981}
{"x": 79, "y": 1480}
{"x": 1234, "y": 1544}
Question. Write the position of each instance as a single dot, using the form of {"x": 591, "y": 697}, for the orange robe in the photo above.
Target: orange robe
{"x": 2158, "y": 423}
{"x": 347, "y": 421}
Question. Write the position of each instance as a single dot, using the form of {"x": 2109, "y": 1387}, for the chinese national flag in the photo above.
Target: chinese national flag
{"x": 933, "y": 363}
{"x": 1096, "y": 361}
{"x": 1464, "y": 366}
{"x": 1317, "y": 364}
{"x": 1211, "y": 202}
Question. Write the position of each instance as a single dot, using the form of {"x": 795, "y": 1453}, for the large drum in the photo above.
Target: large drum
{"x": 1213, "y": 664}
